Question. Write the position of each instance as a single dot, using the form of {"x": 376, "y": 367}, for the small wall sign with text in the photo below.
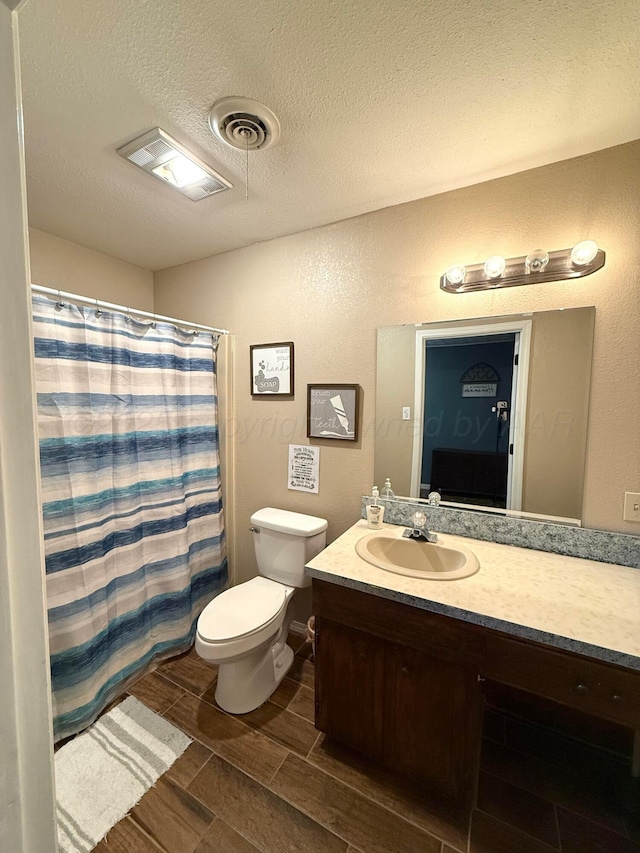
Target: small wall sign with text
{"x": 271, "y": 369}
{"x": 304, "y": 468}
{"x": 479, "y": 389}
{"x": 332, "y": 411}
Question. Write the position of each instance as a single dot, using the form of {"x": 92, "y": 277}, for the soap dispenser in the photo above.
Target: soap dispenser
{"x": 375, "y": 512}
{"x": 387, "y": 491}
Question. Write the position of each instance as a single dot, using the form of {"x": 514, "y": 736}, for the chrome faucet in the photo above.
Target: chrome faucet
{"x": 419, "y": 532}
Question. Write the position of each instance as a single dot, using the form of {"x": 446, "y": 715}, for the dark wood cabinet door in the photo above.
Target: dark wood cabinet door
{"x": 350, "y": 686}
{"x": 430, "y": 724}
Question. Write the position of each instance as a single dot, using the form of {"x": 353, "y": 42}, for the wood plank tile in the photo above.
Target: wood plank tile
{"x": 189, "y": 671}
{"x": 581, "y": 795}
{"x": 305, "y": 651}
{"x": 282, "y": 726}
{"x": 174, "y": 819}
{"x": 579, "y": 835}
{"x": 404, "y": 798}
{"x": 190, "y": 762}
{"x": 258, "y": 814}
{"x": 302, "y": 671}
{"x": 295, "y": 641}
{"x": 156, "y": 692}
{"x": 126, "y": 837}
{"x": 489, "y": 835}
{"x": 220, "y": 838}
{"x": 346, "y": 812}
{"x": 284, "y": 693}
{"x": 304, "y": 704}
{"x": 521, "y": 809}
{"x": 249, "y": 750}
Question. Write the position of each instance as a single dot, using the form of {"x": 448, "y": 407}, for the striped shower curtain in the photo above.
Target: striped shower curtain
{"x": 131, "y": 500}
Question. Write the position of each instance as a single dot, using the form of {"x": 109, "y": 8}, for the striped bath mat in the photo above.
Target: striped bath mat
{"x": 102, "y": 773}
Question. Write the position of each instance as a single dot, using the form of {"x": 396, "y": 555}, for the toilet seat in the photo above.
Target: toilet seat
{"x": 243, "y": 610}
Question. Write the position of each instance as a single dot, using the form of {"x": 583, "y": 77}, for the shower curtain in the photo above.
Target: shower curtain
{"x": 131, "y": 498}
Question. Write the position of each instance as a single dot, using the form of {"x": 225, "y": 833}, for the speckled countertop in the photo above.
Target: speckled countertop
{"x": 571, "y": 603}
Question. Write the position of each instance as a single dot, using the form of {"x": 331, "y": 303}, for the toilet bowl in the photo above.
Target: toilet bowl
{"x": 244, "y": 629}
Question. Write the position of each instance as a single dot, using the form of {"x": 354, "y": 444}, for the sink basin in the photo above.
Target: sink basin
{"x": 431, "y": 561}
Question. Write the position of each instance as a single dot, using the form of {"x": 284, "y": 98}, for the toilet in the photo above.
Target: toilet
{"x": 244, "y": 629}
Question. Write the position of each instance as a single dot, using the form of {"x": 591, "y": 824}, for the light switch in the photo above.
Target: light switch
{"x": 406, "y": 413}
{"x": 631, "y": 506}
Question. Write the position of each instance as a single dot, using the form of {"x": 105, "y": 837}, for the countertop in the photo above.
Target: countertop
{"x": 582, "y": 606}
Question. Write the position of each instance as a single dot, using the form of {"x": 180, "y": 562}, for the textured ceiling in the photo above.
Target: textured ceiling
{"x": 380, "y": 103}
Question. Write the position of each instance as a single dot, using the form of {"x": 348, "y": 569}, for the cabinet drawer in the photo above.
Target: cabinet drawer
{"x": 393, "y": 621}
{"x": 596, "y": 688}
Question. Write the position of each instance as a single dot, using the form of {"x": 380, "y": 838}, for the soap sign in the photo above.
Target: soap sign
{"x": 304, "y": 468}
{"x": 271, "y": 369}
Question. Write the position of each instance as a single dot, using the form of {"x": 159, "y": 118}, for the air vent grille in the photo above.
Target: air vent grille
{"x": 244, "y": 123}
{"x": 207, "y": 187}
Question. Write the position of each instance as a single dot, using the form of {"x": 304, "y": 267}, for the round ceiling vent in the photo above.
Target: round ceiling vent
{"x": 244, "y": 123}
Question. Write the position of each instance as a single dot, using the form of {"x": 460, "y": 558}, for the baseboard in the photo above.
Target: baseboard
{"x": 298, "y": 628}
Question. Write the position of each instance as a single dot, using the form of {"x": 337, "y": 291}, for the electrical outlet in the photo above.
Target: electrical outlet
{"x": 631, "y": 506}
{"x": 406, "y": 413}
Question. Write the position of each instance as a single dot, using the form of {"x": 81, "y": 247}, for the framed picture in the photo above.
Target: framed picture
{"x": 271, "y": 369}
{"x": 332, "y": 411}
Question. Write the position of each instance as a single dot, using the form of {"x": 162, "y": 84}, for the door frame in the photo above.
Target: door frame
{"x": 518, "y": 421}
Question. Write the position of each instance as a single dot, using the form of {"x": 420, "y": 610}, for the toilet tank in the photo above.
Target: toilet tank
{"x": 285, "y": 541}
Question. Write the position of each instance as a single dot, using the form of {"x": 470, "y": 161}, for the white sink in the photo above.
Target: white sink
{"x": 440, "y": 560}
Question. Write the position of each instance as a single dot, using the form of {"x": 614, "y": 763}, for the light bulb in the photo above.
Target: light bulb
{"x": 584, "y": 252}
{"x": 456, "y": 274}
{"x": 180, "y": 171}
{"x": 494, "y": 266}
{"x": 536, "y": 261}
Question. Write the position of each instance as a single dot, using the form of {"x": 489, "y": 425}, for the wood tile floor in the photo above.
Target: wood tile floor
{"x": 268, "y": 782}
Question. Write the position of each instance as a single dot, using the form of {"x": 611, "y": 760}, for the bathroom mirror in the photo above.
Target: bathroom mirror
{"x": 491, "y": 412}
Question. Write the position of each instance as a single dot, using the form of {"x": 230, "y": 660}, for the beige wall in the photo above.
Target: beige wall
{"x": 68, "y": 266}
{"x": 395, "y": 388}
{"x": 330, "y": 288}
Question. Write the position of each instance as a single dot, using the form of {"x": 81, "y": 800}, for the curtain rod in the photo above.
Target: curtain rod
{"x": 75, "y": 297}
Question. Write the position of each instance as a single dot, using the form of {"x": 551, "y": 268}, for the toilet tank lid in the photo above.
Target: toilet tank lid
{"x": 284, "y": 521}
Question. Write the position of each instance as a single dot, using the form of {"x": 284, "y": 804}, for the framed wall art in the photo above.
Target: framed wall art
{"x": 271, "y": 369}
{"x": 332, "y": 411}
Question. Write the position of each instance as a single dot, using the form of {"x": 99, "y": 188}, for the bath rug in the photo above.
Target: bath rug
{"x": 102, "y": 773}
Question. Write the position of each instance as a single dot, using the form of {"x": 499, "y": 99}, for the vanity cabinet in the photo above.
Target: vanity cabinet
{"x": 399, "y": 685}
{"x": 404, "y": 686}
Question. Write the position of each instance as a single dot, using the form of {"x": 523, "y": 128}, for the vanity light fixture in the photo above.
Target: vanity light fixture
{"x": 456, "y": 274}
{"x": 536, "y": 267}
{"x": 494, "y": 266}
{"x": 584, "y": 252}
{"x": 165, "y": 158}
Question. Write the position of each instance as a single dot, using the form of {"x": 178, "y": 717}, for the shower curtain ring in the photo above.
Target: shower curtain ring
{"x": 128, "y": 317}
{"x": 59, "y": 303}
{"x": 99, "y": 313}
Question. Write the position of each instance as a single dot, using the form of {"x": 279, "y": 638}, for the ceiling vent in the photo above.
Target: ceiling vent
{"x": 165, "y": 158}
{"x": 244, "y": 124}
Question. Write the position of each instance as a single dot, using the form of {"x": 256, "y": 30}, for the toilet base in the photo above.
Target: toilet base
{"x": 247, "y": 683}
